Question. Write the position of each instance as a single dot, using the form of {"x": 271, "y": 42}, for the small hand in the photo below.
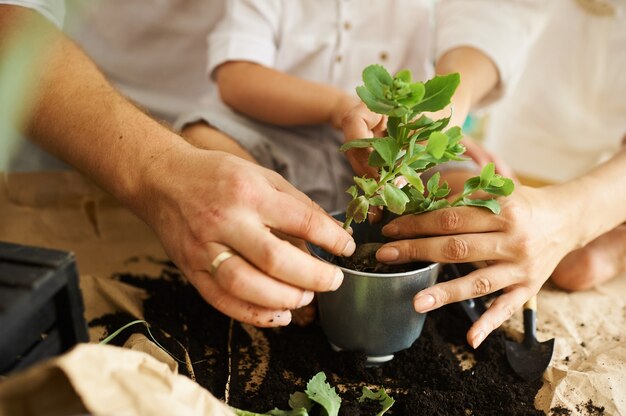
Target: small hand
{"x": 202, "y": 203}
{"x": 522, "y": 246}
{"x": 361, "y": 123}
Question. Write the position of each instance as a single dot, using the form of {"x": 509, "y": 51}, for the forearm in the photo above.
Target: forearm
{"x": 597, "y": 199}
{"x": 78, "y": 116}
{"x": 275, "y": 97}
{"x": 479, "y": 76}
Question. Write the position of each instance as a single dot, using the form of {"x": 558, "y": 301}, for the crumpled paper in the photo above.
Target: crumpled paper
{"x": 105, "y": 380}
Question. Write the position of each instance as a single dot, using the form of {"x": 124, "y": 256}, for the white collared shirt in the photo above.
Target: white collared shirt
{"x": 331, "y": 41}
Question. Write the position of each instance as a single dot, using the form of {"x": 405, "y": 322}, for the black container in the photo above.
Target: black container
{"x": 41, "y": 308}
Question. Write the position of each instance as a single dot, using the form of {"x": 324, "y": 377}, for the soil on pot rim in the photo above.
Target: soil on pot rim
{"x": 364, "y": 260}
{"x": 267, "y": 365}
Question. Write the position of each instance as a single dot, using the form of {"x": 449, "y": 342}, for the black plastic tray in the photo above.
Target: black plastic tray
{"x": 41, "y": 308}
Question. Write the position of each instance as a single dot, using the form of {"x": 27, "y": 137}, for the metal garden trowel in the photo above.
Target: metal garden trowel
{"x": 530, "y": 358}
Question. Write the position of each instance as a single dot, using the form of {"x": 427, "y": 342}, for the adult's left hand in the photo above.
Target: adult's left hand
{"x": 522, "y": 246}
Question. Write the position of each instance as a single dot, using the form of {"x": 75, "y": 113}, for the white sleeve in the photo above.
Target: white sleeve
{"x": 501, "y": 29}
{"x": 247, "y": 32}
{"x": 53, "y": 10}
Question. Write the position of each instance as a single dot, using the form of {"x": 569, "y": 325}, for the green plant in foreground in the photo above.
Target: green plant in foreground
{"x": 319, "y": 392}
{"x": 414, "y": 144}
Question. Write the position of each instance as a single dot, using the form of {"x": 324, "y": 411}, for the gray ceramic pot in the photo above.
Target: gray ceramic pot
{"x": 373, "y": 312}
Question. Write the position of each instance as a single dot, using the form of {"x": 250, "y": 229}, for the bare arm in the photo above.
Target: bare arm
{"x": 274, "y": 97}
{"x": 479, "y": 76}
{"x": 200, "y": 203}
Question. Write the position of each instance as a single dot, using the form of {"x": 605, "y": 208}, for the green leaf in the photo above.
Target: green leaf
{"x": 293, "y": 412}
{"x": 404, "y": 75}
{"x": 433, "y": 183}
{"x": 377, "y": 201}
{"x": 471, "y": 185}
{"x": 438, "y": 204}
{"x": 392, "y": 126}
{"x": 416, "y": 199}
{"x": 300, "y": 400}
{"x": 377, "y": 80}
{"x": 487, "y": 174}
{"x": 388, "y": 149}
{"x": 491, "y": 204}
{"x": 357, "y": 209}
{"x": 414, "y": 96}
{"x": 368, "y": 185}
{"x": 352, "y": 191}
{"x": 357, "y": 143}
{"x": 376, "y": 160}
{"x": 322, "y": 393}
{"x": 501, "y": 187}
{"x": 437, "y": 144}
{"x": 443, "y": 191}
{"x": 412, "y": 177}
{"x": 455, "y": 135}
{"x": 423, "y": 121}
{"x": 381, "y": 396}
{"x": 395, "y": 198}
{"x": 439, "y": 91}
{"x": 377, "y": 105}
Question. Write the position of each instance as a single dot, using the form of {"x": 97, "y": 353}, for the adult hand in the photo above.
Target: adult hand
{"x": 522, "y": 246}
{"x": 202, "y": 203}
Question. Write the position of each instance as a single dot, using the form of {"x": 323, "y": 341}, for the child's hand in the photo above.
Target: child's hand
{"x": 361, "y": 123}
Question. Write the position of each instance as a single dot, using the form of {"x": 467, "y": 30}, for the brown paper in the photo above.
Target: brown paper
{"x": 65, "y": 211}
{"x": 105, "y": 380}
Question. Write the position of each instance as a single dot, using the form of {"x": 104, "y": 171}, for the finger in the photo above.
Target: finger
{"x": 238, "y": 278}
{"x": 234, "y": 307}
{"x": 458, "y": 220}
{"x": 478, "y": 283}
{"x": 499, "y": 311}
{"x": 358, "y": 159}
{"x": 304, "y": 316}
{"x": 460, "y": 248}
{"x": 305, "y": 221}
{"x": 361, "y": 123}
{"x": 375, "y": 215}
{"x": 283, "y": 261}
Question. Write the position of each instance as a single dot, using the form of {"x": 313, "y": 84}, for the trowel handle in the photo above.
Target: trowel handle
{"x": 530, "y": 319}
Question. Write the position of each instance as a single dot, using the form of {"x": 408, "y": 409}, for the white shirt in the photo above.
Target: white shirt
{"x": 568, "y": 111}
{"x": 154, "y": 51}
{"x": 331, "y": 41}
{"x": 53, "y": 10}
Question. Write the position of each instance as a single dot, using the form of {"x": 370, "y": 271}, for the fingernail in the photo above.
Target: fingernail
{"x": 349, "y": 249}
{"x": 307, "y": 297}
{"x": 390, "y": 230}
{"x": 281, "y": 318}
{"x": 478, "y": 338}
{"x": 423, "y": 303}
{"x": 337, "y": 280}
{"x": 387, "y": 254}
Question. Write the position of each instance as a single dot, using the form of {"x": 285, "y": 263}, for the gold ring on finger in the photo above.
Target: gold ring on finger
{"x": 219, "y": 259}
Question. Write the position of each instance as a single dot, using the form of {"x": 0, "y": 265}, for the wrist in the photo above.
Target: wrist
{"x": 342, "y": 106}
{"x": 153, "y": 172}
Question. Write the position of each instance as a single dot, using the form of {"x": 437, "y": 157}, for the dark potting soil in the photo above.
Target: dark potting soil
{"x": 364, "y": 260}
{"x": 270, "y": 364}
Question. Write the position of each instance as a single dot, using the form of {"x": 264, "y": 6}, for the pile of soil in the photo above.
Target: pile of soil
{"x": 270, "y": 364}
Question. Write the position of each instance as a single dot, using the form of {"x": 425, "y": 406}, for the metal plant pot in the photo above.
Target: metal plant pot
{"x": 373, "y": 312}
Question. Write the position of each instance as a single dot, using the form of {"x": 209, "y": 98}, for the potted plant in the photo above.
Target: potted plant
{"x": 373, "y": 311}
